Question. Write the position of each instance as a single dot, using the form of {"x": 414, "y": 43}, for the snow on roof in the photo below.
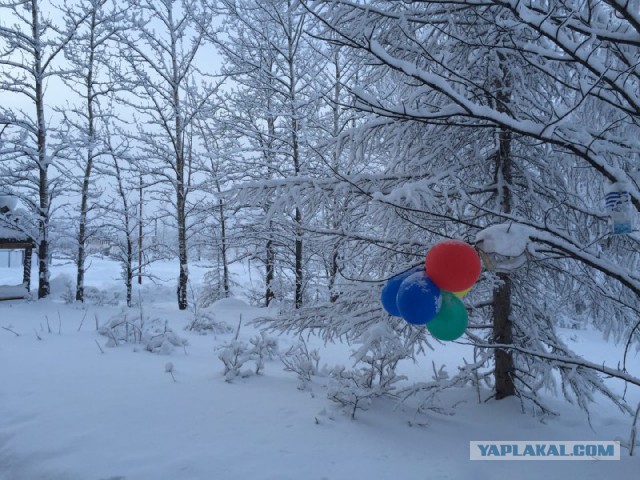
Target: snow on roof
{"x": 12, "y": 234}
{"x": 13, "y": 221}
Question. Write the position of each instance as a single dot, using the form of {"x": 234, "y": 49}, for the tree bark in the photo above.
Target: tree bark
{"x": 295, "y": 150}
{"x": 502, "y": 323}
{"x": 84, "y": 203}
{"x": 270, "y": 261}
{"x": 128, "y": 262}
{"x": 223, "y": 247}
{"x": 26, "y": 268}
{"x": 503, "y": 334}
{"x": 270, "y": 273}
{"x": 140, "y": 228}
{"x": 334, "y": 223}
{"x": 183, "y": 280}
{"x": 43, "y": 164}
{"x": 298, "y": 267}
{"x": 180, "y": 163}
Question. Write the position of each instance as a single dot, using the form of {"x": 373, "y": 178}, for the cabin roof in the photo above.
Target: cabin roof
{"x": 13, "y": 236}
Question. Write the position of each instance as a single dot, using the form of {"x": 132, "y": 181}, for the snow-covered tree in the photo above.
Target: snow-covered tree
{"x": 120, "y": 208}
{"x": 216, "y": 226}
{"x": 168, "y": 92}
{"x": 494, "y": 113}
{"x": 89, "y": 54}
{"x": 31, "y": 44}
{"x": 267, "y": 54}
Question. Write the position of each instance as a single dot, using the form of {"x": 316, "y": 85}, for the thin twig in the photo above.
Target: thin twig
{"x": 634, "y": 431}
{"x": 110, "y": 333}
{"x": 98, "y": 344}
{"x": 9, "y": 330}
{"x": 238, "y": 329}
{"x": 83, "y": 317}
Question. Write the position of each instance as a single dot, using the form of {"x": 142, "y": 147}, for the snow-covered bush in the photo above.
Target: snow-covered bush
{"x": 382, "y": 344}
{"x": 301, "y": 361}
{"x": 168, "y": 368}
{"x": 164, "y": 342}
{"x": 236, "y": 353}
{"x": 263, "y": 347}
{"x": 381, "y": 350}
{"x": 62, "y": 286}
{"x": 101, "y": 297}
{"x": 352, "y": 389}
{"x": 68, "y": 295}
{"x": 154, "y": 334}
{"x": 204, "y": 322}
{"x": 211, "y": 292}
{"x": 375, "y": 374}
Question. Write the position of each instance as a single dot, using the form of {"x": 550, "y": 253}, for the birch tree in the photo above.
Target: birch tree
{"x": 31, "y": 45}
{"x": 89, "y": 54}
{"x": 267, "y": 55}
{"x": 169, "y": 91}
{"x": 120, "y": 208}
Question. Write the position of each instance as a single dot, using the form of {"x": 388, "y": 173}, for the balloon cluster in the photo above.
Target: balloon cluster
{"x": 430, "y": 294}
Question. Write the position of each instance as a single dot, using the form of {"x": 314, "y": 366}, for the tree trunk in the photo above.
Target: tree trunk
{"x": 502, "y": 323}
{"x": 84, "y": 203}
{"x": 223, "y": 247}
{"x": 129, "y": 267}
{"x": 334, "y": 223}
{"x": 298, "y": 267}
{"x": 299, "y": 276}
{"x": 295, "y": 146}
{"x": 140, "y": 230}
{"x": 180, "y": 165}
{"x": 503, "y": 334}
{"x": 183, "y": 280}
{"x": 270, "y": 261}
{"x": 26, "y": 268}
{"x": 333, "y": 275}
{"x": 43, "y": 164}
{"x": 43, "y": 232}
{"x": 81, "y": 256}
{"x": 127, "y": 262}
{"x": 270, "y": 273}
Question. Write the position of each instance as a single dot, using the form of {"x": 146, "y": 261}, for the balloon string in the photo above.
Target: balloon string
{"x": 364, "y": 280}
{"x": 403, "y": 271}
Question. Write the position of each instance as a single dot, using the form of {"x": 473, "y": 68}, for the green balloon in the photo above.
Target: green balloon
{"x": 451, "y": 320}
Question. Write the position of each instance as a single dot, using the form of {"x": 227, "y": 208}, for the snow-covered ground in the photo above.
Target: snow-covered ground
{"x": 70, "y": 412}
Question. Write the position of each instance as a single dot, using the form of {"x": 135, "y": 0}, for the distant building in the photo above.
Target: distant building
{"x": 100, "y": 245}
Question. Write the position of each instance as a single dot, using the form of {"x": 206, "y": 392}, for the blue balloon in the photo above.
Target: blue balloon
{"x": 390, "y": 290}
{"x": 418, "y": 299}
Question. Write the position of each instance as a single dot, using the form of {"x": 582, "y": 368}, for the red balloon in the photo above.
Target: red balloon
{"x": 453, "y": 265}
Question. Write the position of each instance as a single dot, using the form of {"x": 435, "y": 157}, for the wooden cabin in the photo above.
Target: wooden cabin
{"x": 14, "y": 239}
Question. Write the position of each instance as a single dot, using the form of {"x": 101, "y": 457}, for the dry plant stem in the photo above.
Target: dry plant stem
{"x": 83, "y": 317}
{"x": 9, "y": 330}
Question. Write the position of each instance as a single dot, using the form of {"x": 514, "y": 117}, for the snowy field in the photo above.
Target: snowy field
{"x": 68, "y": 411}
